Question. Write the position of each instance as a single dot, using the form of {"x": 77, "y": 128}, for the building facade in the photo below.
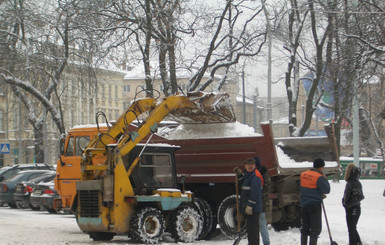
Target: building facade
{"x": 81, "y": 98}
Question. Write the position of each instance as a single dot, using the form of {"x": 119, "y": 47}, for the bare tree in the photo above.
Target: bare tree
{"x": 181, "y": 36}
{"x": 39, "y": 42}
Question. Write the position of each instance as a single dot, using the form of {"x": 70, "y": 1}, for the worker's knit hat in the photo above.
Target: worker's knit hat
{"x": 318, "y": 163}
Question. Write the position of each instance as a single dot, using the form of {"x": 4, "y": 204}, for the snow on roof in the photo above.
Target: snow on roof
{"x": 90, "y": 125}
{"x": 284, "y": 120}
{"x": 365, "y": 159}
{"x": 137, "y": 72}
{"x": 247, "y": 100}
{"x": 159, "y": 145}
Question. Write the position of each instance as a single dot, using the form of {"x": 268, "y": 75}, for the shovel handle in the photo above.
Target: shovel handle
{"x": 327, "y": 224}
{"x": 237, "y": 204}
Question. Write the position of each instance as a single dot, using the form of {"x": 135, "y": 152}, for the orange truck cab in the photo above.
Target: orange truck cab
{"x": 68, "y": 170}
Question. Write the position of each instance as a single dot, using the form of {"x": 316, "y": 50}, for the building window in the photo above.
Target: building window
{"x": 16, "y": 118}
{"x": 103, "y": 92}
{"x": 126, "y": 105}
{"x": 116, "y": 92}
{"x": 126, "y": 88}
{"x": 1, "y": 120}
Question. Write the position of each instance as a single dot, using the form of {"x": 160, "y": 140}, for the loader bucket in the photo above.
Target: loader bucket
{"x": 210, "y": 108}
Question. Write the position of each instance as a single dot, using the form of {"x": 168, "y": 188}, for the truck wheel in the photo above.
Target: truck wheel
{"x": 147, "y": 225}
{"x": 21, "y": 205}
{"x": 227, "y": 218}
{"x": 282, "y": 225}
{"x": 205, "y": 212}
{"x": 101, "y": 236}
{"x": 53, "y": 211}
{"x": 12, "y": 205}
{"x": 185, "y": 224}
{"x": 290, "y": 218}
{"x": 34, "y": 208}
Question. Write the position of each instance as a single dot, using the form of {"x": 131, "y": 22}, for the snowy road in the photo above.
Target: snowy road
{"x": 39, "y": 227}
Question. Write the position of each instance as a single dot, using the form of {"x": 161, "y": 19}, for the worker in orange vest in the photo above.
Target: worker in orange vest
{"x": 314, "y": 185}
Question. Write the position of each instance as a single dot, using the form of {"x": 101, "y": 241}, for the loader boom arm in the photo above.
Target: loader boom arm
{"x": 168, "y": 105}
{"x": 200, "y": 108}
{"x": 137, "y": 108}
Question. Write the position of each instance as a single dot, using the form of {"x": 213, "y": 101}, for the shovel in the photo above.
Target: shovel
{"x": 327, "y": 224}
{"x": 236, "y": 242}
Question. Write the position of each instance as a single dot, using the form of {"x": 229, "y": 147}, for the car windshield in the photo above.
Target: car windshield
{"x": 3, "y": 170}
{"x": 15, "y": 177}
{"x": 43, "y": 177}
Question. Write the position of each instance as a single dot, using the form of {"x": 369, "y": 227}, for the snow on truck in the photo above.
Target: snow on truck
{"x": 204, "y": 164}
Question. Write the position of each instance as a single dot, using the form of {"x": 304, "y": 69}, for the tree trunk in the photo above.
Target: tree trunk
{"x": 39, "y": 144}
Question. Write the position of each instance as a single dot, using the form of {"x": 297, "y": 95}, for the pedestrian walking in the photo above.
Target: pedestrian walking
{"x": 351, "y": 201}
{"x": 251, "y": 198}
{"x": 314, "y": 185}
{"x": 265, "y": 201}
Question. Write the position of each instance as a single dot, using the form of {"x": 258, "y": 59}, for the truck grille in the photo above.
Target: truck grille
{"x": 89, "y": 203}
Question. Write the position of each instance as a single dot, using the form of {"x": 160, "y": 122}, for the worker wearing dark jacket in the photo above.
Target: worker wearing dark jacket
{"x": 313, "y": 187}
{"x": 251, "y": 198}
{"x": 351, "y": 201}
{"x": 265, "y": 201}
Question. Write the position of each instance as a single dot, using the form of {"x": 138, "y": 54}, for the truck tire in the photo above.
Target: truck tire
{"x": 21, "y": 205}
{"x": 185, "y": 224}
{"x": 34, "y": 208}
{"x": 53, "y": 211}
{"x": 206, "y": 213}
{"x": 227, "y": 218}
{"x": 147, "y": 225}
{"x": 12, "y": 205}
{"x": 101, "y": 236}
{"x": 291, "y": 218}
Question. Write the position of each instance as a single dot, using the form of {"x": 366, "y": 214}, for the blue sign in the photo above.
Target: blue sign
{"x": 5, "y": 148}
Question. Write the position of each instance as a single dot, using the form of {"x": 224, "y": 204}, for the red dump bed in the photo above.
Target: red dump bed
{"x": 212, "y": 160}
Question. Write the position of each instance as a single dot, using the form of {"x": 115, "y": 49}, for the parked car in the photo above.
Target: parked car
{"x": 9, "y": 171}
{"x": 44, "y": 195}
{"x": 24, "y": 189}
{"x": 7, "y": 187}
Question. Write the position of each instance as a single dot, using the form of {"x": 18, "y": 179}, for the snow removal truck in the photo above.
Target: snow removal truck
{"x": 134, "y": 189}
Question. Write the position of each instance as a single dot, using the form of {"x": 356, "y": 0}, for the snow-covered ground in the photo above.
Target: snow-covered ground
{"x": 31, "y": 227}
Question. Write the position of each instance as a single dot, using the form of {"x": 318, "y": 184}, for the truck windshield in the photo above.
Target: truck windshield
{"x": 77, "y": 144}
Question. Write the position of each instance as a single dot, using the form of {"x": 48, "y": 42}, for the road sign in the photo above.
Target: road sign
{"x": 5, "y": 148}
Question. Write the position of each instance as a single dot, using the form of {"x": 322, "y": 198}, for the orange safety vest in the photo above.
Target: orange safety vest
{"x": 258, "y": 174}
{"x": 309, "y": 179}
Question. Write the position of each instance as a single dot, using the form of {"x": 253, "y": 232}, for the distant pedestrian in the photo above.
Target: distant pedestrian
{"x": 351, "y": 201}
{"x": 314, "y": 185}
{"x": 265, "y": 201}
{"x": 251, "y": 198}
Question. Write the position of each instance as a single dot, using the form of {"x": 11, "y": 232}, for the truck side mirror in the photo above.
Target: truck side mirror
{"x": 182, "y": 180}
{"x": 62, "y": 145}
{"x": 61, "y": 161}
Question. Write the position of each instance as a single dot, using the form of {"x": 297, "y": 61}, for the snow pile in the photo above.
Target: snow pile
{"x": 62, "y": 229}
{"x": 215, "y": 130}
{"x": 286, "y": 162}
